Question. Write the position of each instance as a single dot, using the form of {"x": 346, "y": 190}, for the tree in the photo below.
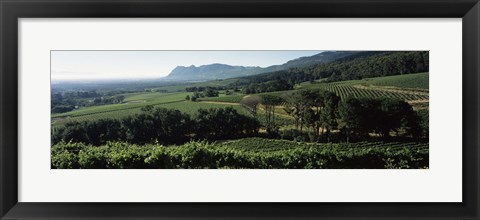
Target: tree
{"x": 349, "y": 112}
{"x": 139, "y": 128}
{"x": 62, "y": 108}
{"x": 329, "y": 115}
{"x": 210, "y": 92}
{"x": 97, "y": 100}
{"x": 187, "y": 97}
{"x": 423, "y": 123}
{"x": 198, "y": 95}
{"x": 224, "y": 123}
{"x": 119, "y": 99}
{"x": 251, "y": 103}
{"x": 295, "y": 105}
{"x": 172, "y": 126}
{"x": 361, "y": 116}
{"x": 269, "y": 102}
{"x": 147, "y": 108}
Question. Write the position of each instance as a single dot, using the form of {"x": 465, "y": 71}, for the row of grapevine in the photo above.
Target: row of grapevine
{"x": 260, "y": 144}
{"x": 345, "y": 91}
{"x": 235, "y": 155}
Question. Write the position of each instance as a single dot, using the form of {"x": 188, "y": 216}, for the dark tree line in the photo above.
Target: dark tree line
{"x": 363, "y": 65}
{"x": 203, "y": 88}
{"x": 277, "y": 84}
{"x": 206, "y": 93}
{"x": 362, "y": 116}
{"x": 160, "y": 125}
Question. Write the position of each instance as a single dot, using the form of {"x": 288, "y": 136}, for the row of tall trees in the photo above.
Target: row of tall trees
{"x": 277, "y": 84}
{"x": 203, "y": 88}
{"x": 321, "y": 112}
{"x": 160, "y": 125}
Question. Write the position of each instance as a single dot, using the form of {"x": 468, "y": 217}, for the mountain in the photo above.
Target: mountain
{"x": 324, "y": 57}
{"x": 210, "y": 72}
{"x": 224, "y": 71}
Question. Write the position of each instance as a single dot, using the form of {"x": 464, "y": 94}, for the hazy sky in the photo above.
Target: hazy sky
{"x": 87, "y": 65}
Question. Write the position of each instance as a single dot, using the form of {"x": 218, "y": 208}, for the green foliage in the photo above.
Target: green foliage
{"x": 359, "y": 117}
{"x": 224, "y": 123}
{"x": 166, "y": 126}
{"x": 62, "y": 108}
{"x": 269, "y": 103}
{"x": 209, "y": 92}
{"x": 250, "y": 153}
{"x": 423, "y": 116}
{"x": 359, "y": 66}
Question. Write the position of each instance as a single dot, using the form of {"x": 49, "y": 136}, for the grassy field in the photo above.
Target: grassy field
{"x": 132, "y": 101}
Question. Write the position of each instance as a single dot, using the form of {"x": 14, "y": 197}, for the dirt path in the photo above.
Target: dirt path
{"x": 220, "y": 103}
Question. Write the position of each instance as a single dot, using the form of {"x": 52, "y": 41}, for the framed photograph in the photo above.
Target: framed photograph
{"x": 239, "y": 109}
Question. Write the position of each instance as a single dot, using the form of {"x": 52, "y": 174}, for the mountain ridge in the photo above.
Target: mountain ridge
{"x": 217, "y": 71}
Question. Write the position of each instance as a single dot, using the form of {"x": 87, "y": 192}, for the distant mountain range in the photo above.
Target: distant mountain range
{"x": 224, "y": 71}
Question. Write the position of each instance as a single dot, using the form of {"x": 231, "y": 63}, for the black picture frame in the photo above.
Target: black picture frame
{"x": 11, "y": 10}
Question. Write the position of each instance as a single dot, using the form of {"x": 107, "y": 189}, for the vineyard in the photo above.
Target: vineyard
{"x": 408, "y": 87}
{"x": 259, "y": 144}
{"x": 411, "y": 87}
{"x": 346, "y": 90}
{"x": 250, "y": 153}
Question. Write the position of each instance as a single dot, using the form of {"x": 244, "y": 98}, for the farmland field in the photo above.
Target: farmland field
{"x": 391, "y": 86}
